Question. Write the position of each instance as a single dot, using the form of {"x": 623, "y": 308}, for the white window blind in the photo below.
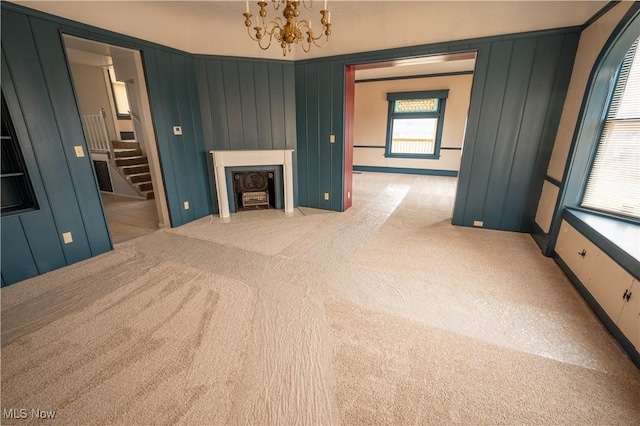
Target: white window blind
{"x": 614, "y": 182}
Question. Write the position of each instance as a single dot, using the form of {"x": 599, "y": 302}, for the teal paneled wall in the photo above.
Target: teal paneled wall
{"x": 519, "y": 87}
{"x": 40, "y": 99}
{"x": 246, "y": 104}
{"x": 174, "y": 101}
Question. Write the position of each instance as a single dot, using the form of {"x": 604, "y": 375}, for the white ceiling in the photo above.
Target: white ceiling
{"x": 217, "y": 27}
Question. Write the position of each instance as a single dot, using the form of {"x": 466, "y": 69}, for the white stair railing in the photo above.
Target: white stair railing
{"x": 95, "y": 130}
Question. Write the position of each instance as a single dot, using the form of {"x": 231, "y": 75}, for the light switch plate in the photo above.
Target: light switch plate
{"x": 332, "y": 138}
{"x": 326, "y": 196}
{"x": 67, "y": 238}
{"x": 186, "y": 205}
{"x": 177, "y": 130}
{"x": 79, "y": 151}
{"x": 478, "y": 223}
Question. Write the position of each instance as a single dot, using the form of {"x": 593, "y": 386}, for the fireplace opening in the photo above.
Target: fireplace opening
{"x": 254, "y": 190}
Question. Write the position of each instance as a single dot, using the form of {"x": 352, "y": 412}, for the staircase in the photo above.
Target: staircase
{"x": 128, "y": 159}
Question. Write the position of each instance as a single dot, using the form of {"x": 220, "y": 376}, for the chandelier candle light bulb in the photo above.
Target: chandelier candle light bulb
{"x": 290, "y": 30}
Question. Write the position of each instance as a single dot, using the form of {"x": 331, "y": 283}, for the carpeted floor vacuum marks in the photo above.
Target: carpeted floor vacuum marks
{"x": 384, "y": 314}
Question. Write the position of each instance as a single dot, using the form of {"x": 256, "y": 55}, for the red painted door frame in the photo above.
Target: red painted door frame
{"x": 349, "y": 105}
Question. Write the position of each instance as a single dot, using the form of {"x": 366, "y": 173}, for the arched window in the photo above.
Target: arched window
{"x": 613, "y": 184}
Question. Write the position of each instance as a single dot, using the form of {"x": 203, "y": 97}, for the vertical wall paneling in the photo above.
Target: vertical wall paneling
{"x": 233, "y": 104}
{"x": 289, "y": 112}
{"x": 59, "y": 85}
{"x": 276, "y": 94}
{"x": 302, "y": 154}
{"x": 162, "y": 130}
{"x": 201, "y": 197}
{"x": 248, "y": 105}
{"x": 473, "y": 122}
{"x": 313, "y": 140}
{"x": 17, "y": 261}
{"x": 486, "y": 136}
{"x": 218, "y": 102}
{"x": 187, "y": 145}
{"x": 515, "y": 104}
{"x": 38, "y": 226}
{"x": 28, "y": 75}
{"x": 201, "y": 85}
{"x": 539, "y": 97}
{"x": 263, "y": 105}
{"x": 510, "y": 119}
{"x": 289, "y": 92}
{"x": 41, "y": 102}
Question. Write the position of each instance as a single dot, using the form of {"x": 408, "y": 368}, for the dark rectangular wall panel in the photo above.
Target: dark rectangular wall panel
{"x": 511, "y": 117}
{"x": 538, "y": 100}
{"x": 59, "y": 85}
{"x": 248, "y": 105}
{"x": 276, "y": 95}
{"x": 486, "y": 136}
{"x": 17, "y": 262}
{"x": 302, "y": 154}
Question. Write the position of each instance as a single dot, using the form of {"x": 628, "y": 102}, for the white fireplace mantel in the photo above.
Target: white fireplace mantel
{"x": 276, "y": 157}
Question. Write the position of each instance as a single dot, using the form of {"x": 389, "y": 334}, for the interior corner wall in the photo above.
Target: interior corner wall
{"x": 371, "y": 121}
{"x": 519, "y": 86}
{"x": 592, "y": 41}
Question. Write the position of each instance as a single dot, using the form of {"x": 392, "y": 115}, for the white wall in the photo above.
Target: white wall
{"x": 91, "y": 90}
{"x": 592, "y": 41}
{"x": 371, "y": 115}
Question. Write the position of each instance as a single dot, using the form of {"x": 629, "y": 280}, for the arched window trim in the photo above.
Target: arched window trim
{"x": 591, "y": 118}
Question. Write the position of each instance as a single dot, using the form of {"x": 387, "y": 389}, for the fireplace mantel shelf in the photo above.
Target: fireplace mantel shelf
{"x": 276, "y": 157}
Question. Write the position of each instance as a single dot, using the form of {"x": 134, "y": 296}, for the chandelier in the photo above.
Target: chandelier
{"x": 289, "y": 30}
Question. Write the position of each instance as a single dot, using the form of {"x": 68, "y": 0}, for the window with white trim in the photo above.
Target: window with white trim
{"x": 120, "y": 98}
{"x": 415, "y": 123}
{"x": 613, "y": 185}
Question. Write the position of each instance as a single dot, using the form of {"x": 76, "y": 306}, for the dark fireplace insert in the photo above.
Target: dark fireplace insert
{"x": 254, "y": 190}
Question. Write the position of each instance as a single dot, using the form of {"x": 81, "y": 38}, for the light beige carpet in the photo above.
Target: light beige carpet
{"x": 384, "y": 314}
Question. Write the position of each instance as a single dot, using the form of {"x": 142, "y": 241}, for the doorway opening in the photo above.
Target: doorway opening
{"x": 116, "y": 118}
{"x": 408, "y": 117}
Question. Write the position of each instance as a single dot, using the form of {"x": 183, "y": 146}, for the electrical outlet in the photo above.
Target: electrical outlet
{"x": 186, "y": 205}
{"x": 349, "y": 195}
{"x": 79, "y": 151}
{"x": 67, "y": 238}
{"x": 332, "y": 138}
{"x": 478, "y": 223}
{"x": 326, "y": 196}
{"x": 177, "y": 130}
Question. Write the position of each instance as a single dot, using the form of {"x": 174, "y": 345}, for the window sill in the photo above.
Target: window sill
{"x": 619, "y": 239}
{"x": 414, "y": 156}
